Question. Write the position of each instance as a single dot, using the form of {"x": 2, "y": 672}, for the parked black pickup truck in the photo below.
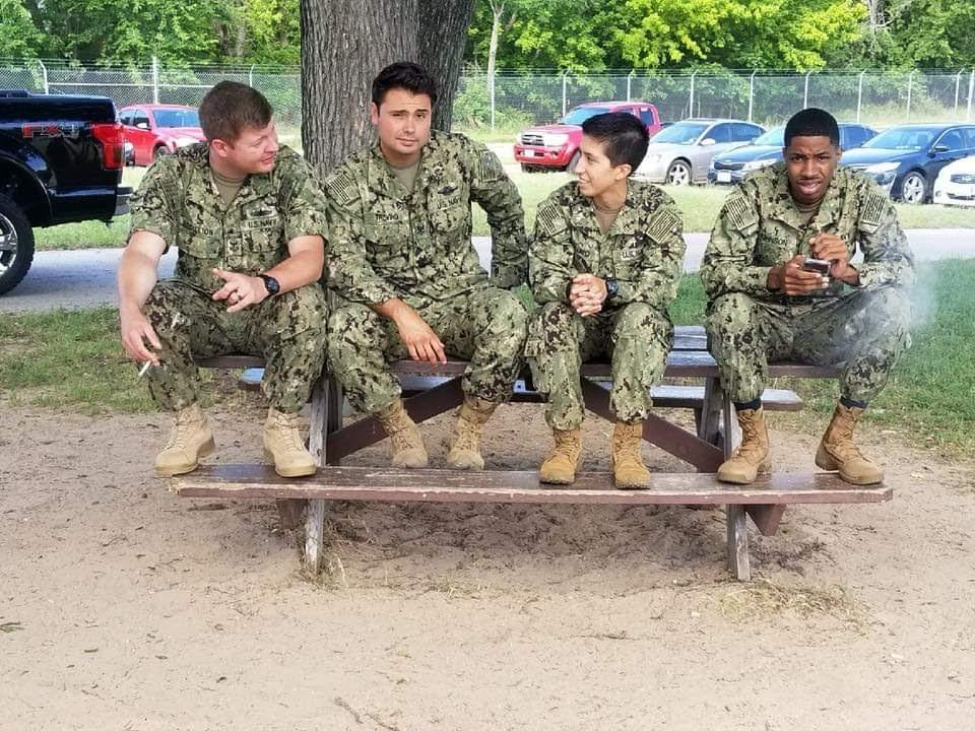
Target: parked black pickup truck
{"x": 61, "y": 160}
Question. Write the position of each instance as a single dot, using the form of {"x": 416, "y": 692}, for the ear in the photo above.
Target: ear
{"x": 621, "y": 172}
{"x": 374, "y": 114}
{"x": 220, "y": 147}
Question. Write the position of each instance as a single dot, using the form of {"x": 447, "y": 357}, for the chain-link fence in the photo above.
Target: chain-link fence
{"x": 514, "y": 99}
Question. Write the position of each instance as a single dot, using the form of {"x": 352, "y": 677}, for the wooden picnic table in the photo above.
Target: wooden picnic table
{"x": 432, "y": 389}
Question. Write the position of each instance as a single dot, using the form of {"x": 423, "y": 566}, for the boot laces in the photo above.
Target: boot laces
{"x": 179, "y": 436}
{"x": 750, "y": 447}
{"x": 565, "y": 446}
{"x": 468, "y": 435}
{"x": 286, "y": 425}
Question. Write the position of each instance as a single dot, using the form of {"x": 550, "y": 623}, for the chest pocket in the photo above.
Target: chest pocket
{"x": 627, "y": 255}
{"x": 201, "y": 233}
{"x": 449, "y": 213}
{"x": 389, "y": 226}
{"x": 775, "y": 244}
{"x": 261, "y": 228}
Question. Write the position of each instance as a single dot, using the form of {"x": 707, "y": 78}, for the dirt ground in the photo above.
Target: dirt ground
{"x": 123, "y": 607}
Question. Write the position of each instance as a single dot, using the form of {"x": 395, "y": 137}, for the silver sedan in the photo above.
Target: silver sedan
{"x": 681, "y": 153}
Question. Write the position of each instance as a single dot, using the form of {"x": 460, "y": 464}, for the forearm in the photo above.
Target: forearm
{"x": 136, "y": 277}
{"x": 298, "y": 270}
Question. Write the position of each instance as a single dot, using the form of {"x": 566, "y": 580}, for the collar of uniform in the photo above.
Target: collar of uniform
{"x": 254, "y": 186}
{"x": 784, "y": 208}
{"x": 628, "y": 218}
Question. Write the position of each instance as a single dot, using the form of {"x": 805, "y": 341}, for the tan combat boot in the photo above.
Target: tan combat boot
{"x": 560, "y": 466}
{"x": 629, "y": 472}
{"x": 465, "y": 451}
{"x": 190, "y": 440}
{"x": 751, "y": 457}
{"x": 284, "y": 446}
{"x": 838, "y": 452}
{"x": 404, "y": 438}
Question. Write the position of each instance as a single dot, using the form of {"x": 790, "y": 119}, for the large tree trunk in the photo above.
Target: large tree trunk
{"x": 345, "y": 43}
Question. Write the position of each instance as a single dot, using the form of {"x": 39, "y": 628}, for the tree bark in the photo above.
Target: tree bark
{"x": 345, "y": 43}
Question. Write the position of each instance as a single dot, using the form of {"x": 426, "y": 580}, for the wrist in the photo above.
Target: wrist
{"x": 773, "y": 281}
{"x": 611, "y": 288}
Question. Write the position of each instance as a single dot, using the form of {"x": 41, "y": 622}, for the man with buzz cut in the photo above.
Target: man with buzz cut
{"x": 247, "y": 216}
{"x": 402, "y": 262}
{"x": 605, "y": 264}
{"x": 766, "y": 300}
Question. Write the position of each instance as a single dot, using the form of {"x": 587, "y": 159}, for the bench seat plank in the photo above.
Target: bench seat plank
{"x": 431, "y": 485}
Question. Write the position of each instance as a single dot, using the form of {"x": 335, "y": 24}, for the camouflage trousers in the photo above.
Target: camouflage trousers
{"x": 288, "y": 331}
{"x": 636, "y": 336}
{"x": 485, "y": 326}
{"x": 865, "y": 332}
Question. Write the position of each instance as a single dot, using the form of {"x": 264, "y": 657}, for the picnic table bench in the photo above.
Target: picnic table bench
{"x": 432, "y": 389}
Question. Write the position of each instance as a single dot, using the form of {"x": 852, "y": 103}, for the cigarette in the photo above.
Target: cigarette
{"x": 144, "y": 369}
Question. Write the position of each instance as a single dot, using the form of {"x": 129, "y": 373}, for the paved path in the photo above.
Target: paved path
{"x": 86, "y": 277}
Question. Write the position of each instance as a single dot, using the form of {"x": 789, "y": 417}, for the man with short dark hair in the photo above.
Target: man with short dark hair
{"x": 605, "y": 264}
{"x": 401, "y": 258}
{"x": 248, "y": 219}
{"x": 768, "y": 301}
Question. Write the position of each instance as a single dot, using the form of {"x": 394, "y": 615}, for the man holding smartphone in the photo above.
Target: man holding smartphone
{"x": 781, "y": 285}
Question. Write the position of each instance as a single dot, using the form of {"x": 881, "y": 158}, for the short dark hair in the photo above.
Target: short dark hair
{"x": 404, "y": 75}
{"x": 812, "y": 122}
{"x": 624, "y": 137}
{"x": 229, "y": 108}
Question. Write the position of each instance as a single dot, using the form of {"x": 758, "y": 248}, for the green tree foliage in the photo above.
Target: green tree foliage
{"x": 20, "y": 37}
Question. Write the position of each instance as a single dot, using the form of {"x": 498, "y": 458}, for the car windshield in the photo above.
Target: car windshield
{"x": 177, "y": 118}
{"x": 902, "y": 139}
{"x": 581, "y": 114}
{"x": 772, "y": 138}
{"x": 680, "y": 133}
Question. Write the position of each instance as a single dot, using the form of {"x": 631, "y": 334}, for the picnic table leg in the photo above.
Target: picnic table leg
{"x": 738, "y": 542}
{"x": 321, "y": 408}
{"x": 708, "y": 424}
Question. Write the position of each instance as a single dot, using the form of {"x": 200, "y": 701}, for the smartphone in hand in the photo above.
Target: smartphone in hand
{"x": 820, "y": 266}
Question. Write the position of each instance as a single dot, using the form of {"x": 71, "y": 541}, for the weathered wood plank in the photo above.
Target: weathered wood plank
{"x": 431, "y": 485}
{"x": 737, "y": 529}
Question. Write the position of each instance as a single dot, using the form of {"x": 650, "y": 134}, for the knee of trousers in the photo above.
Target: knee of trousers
{"x": 890, "y": 312}
{"x": 507, "y": 324}
{"x": 552, "y": 327}
{"x": 730, "y": 316}
{"x": 353, "y": 331}
{"x": 640, "y": 320}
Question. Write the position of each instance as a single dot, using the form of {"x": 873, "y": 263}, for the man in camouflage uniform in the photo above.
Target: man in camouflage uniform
{"x": 605, "y": 263}
{"x": 247, "y": 216}
{"x": 402, "y": 261}
{"x": 763, "y": 303}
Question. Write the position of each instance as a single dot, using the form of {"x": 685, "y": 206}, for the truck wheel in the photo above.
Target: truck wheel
{"x": 16, "y": 244}
{"x": 160, "y": 151}
{"x": 571, "y": 167}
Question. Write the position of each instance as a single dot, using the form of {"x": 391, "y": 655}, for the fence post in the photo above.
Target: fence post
{"x": 565, "y": 84}
{"x": 971, "y": 93}
{"x": 155, "y": 80}
{"x": 910, "y": 87}
{"x": 47, "y": 86}
{"x": 690, "y": 109}
{"x": 250, "y": 76}
{"x": 805, "y": 93}
{"x": 957, "y": 89}
{"x": 494, "y": 74}
{"x": 629, "y": 86}
{"x": 751, "y": 94}
{"x": 860, "y": 95}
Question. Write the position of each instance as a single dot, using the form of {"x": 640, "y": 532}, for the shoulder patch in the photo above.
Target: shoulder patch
{"x": 342, "y": 188}
{"x": 548, "y": 220}
{"x": 663, "y": 223}
{"x": 873, "y": 209}
{"x": 740, "y": 212}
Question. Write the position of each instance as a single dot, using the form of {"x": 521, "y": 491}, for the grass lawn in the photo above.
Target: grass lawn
{"x": 74, "y": 360}
{"x": 699, "y": 205}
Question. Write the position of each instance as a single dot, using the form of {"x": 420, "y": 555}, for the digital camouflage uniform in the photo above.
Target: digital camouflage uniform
{"x": 644, "y": 252}
{"x": 386, "y": 243}
{"x": 179, "y": 201}
{"x": 862, "y": 328}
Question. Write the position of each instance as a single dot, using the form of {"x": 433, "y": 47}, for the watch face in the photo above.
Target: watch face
{"x": 271, "y": 283}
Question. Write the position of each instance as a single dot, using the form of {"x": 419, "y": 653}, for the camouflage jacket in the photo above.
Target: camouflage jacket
{"x": 179, "y": 201}
{"x": 643, "y": 250}
{"x": 760, "y": 226}
{"x": 386, "y": 243}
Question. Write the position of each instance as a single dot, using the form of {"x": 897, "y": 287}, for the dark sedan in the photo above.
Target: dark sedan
{"x": 905, "y": 160}
{"x": 766, "y": 149}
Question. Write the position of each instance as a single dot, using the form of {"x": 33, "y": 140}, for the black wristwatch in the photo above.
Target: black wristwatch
{"x": 272, "y": 285}
{"x": 612, "y": 287}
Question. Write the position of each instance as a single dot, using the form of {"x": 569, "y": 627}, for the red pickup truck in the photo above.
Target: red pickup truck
{"x": 556, "y": 146}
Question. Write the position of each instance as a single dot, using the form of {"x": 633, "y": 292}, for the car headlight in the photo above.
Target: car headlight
{"x": 881, "y": 167}
{"x": 652, "y": 159}
{"x": 185, "y": 141}
{"x": 758, "y": 164}
{"x": 554, "y": 140}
